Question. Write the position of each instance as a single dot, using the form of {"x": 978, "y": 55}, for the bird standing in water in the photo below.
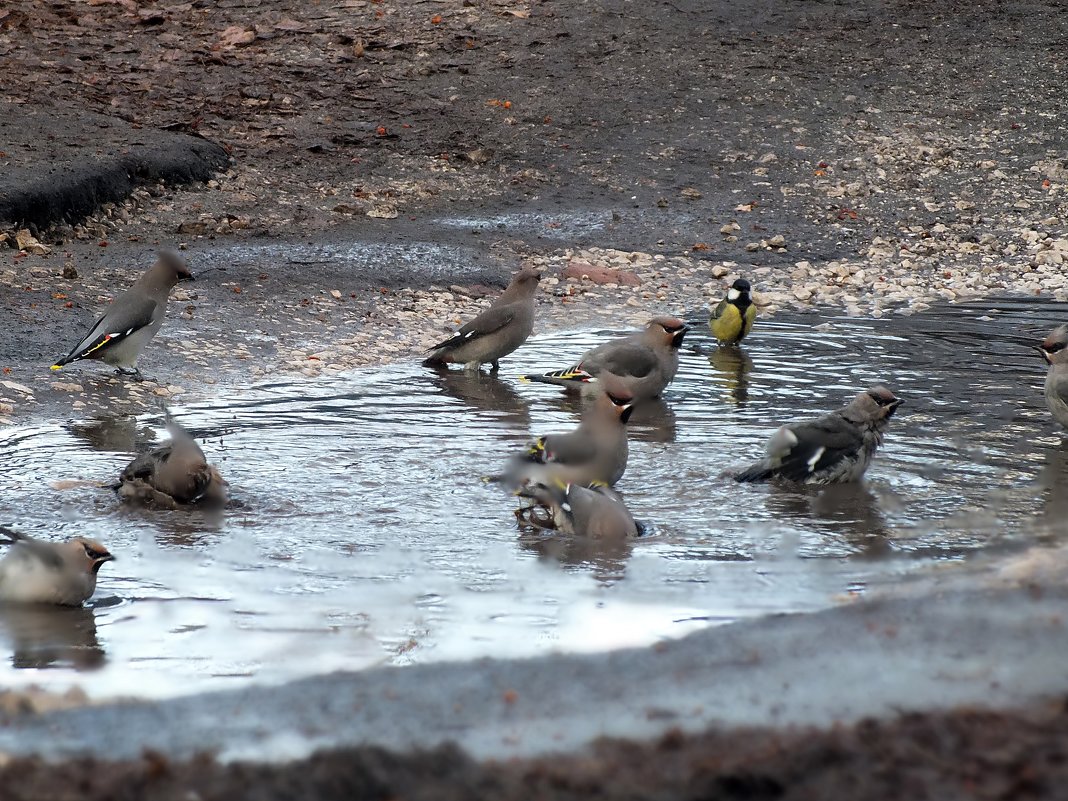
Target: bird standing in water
{"x": 733, "y": 317}
{"x": 35, "y": 571}
{"x": 494, "y": 333}
{"x": 833, "y": 449}
{"x": 644, "y": 363}
{"x": 1054, "y": 349}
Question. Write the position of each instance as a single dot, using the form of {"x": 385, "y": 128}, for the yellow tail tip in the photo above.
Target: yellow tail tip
{"x": 56, "y": 367}
{"x": 524, "y": 380}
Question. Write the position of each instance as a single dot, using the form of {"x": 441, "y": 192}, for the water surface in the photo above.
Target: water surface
{"x": 365, "y": 534}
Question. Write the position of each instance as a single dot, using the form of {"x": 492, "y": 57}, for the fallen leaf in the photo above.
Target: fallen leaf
{"x": 236, "y": 35}
{"x": 335, "y": 293}
{"x": 436, "y": 19}
{"x": 516, "y": 13}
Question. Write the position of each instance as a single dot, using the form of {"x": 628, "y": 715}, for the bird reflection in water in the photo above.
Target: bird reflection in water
{"x": 731, "y": 366}
{"x": 1053, "y": 486}
{"x": 853, "y": 510}
{"x": 114, "y": 434}
{"x": 41, "y": 636}
{"x": 484, "y": 393}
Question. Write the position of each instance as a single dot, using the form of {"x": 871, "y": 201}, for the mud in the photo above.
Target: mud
{"x": 971, "y": 754}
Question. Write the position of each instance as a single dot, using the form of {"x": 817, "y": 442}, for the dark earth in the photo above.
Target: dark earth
{"x": 369, "y": 120}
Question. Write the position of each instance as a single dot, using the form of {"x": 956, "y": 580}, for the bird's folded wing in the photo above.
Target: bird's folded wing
{"x": 114, "y": 326}
{"x": 721, "y": 307}
{"x": 574, "y": 448}
{"x": 812, "y": 446}
{"x": 631, "y": 359}
{"x": 41, "y": 550}
{"x": 492, "y": 319}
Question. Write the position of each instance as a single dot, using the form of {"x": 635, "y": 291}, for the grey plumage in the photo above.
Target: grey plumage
{"x": 1054, "y": 349}
{"x": 133, "y": 318}
{"x": 497, "y": 331}
{"x": 175, "y": 474}
{"x": 832, "y": 449}
{"x": 596, "y": 451}
{"x": 644, "y": 362}
{"x": 35, "y": 571}
{"x": 595, "y": 511}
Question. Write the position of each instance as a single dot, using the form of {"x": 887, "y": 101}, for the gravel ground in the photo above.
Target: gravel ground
{"x": 876, "y": 157}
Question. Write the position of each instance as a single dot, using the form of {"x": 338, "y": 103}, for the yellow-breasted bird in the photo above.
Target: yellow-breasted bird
{"x": 732, "y": 319}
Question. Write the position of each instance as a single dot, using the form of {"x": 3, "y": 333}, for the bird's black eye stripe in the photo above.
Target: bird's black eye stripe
{"x": 619, "y": 401}
{"x": 881, "y": 400}
{"x": 1056, "y": 346}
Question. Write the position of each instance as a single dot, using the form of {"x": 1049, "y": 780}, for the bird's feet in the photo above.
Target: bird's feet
{"x": 133, "y": 374}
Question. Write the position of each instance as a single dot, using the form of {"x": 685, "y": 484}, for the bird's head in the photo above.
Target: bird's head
{"x": 528, "y": 277}
{"x": 89, "y": 553}
{"x": 877, "y": 403}
{"x": 1054, "y": 348}
{"x": 667, "y": 330}
{"x": 175, "y": 266}
{"x": 616, "y": 396}
{"x": 739, "y": 290}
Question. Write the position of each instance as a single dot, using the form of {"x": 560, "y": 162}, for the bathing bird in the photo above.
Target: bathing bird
{"x": 36, "y": 571}
{"x": 593, "y": 511}
{"x": 833, "y": 449}
{"x": 733, "y": 317}
{"x": 497, "y": 331}
{"x": 1054, "y": 349}
{"x": 174, "y": 474}
{"x": 644, "y": 362}
{"x": 133, "y": 318}
{"x": 596, "y": 450}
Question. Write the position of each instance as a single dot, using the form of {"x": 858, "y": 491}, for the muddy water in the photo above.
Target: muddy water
{"x": 366, "y": 536}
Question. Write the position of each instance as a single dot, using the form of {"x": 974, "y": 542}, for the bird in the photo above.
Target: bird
{"x": 733, "y": 317}
{"x": 833, "y": 449}
{"x": 1054, "y": 350}
{"x": 595, "y": 510}
{"x": 645, "y": 362}
{"x": 494, "y": 333}
{"x": 133, "y": 318}
{"x": 173, "y": 475}
{"x": 36, "y": 571}
{"x": 596, "y": 450}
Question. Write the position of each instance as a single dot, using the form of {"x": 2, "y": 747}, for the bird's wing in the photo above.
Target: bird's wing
{"x": 800, "y": 449}
{"x": 41, "y": 550}
{"x": 492, "y": 319}
{"x": 629, "y": 359}
{"x": 144, "y": 466}
{"x": 721, "y": 307}
{"x": 576, "y": 447}
{"x": 121, "y": 320}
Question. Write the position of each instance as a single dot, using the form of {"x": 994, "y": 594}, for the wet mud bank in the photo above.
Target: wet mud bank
{"x": 701, "y": 705}
{"x": 60, "y": 165}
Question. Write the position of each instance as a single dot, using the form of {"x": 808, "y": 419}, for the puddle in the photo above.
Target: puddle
{"x": 367, "y": 537}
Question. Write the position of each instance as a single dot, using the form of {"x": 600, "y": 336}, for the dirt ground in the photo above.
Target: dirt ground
{"x": 963, "y": 755}
{"x": 872, "y": 155}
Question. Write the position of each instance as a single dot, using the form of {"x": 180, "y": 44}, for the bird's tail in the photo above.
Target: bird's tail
{"x": 755, "y": 472}
{"x": 564, "y": 378}
{"x": 12, "y": 536}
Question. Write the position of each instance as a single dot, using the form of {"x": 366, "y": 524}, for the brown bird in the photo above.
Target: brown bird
{"x": 833, "y": 449}
{"x": 596, "y": 451}
{"x": 644, "y": 362}
{"x": 175, "y": 474}
{"x": 1054, "y": 349}
{"x": 133, "y": 318}
{"x": 35, "y": 571}
{"x": 497, "y": 331}
{"x": 595, "y": 511}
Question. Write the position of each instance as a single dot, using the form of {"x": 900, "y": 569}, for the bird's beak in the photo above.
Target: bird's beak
{"x": 189, "y": 277}
{"x": 624, "y": 416}
{"x": 1045, "y": 354}
{"x": 108, "y": 558}
{"x": 677, "y": 337}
